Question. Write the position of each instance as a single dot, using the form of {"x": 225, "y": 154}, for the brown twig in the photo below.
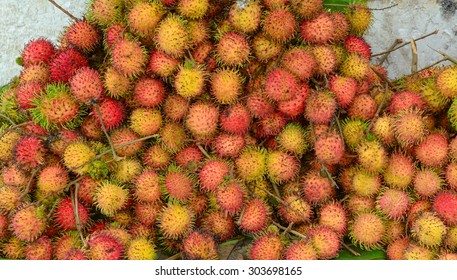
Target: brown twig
{"x": 378, "y": 111}
{"x": 406, "y": 43}
{"x": 382, "y": 77}
{"x": 99, "y": 115}
{"x": 29, "y": 184}
{"x": 177, "y": 256}
{"x": 451, "y": 59}
{"x": 350, "y": 249}
{"x": 14, "y": 127}
{"x": 204, "y": 152}
{"x": 74, "y": 204}
{"x": 414, "y": 59}
{"x": 394, "y": 44}
{"x": 63, "y": 10}
{"x": 296, "y": 233}
{"x": 352, "y": 5}
{"x": 8, "y": 119}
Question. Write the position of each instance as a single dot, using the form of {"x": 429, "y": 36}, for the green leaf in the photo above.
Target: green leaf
{"x": 345, "y": 254}
{"x": 340, "y": 2}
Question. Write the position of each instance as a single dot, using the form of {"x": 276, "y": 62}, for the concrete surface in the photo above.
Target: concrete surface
{"x": 20, "y": 23}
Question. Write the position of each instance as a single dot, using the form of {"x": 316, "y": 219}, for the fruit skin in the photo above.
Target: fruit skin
{"x": 52, "y": 179}
{"x": 433, "y": 150}
{"x": 320, "y": 107}
{"x": 280, "y": 85}
{"x": 279, "y": 32}
{"x": 40, "y": 249}
{"x": 29, "y": 152}
{"x": 295, "y": 209}
{"x": 103, "y": 246}
{"x": 230, "y": 197}
{"x": 445, "y": 205}
{"x": 428, "y": 230}
{"x": 329, "y": 148}
{"x": 82, "y": 35}
{"x": 199, "y": 245}
{"x": 233, "y": 49}
{"x": 29, "y": 222}
{"x": 445, "y": 82}
{"x": 110, "y": 198}
{"x": 171, "y": 36}
{"x": 325, "y": 242}
{"x": 281, "y": 166}
{"x": 86, "y": 85}
{"x": 251, "y": 164}
{"x": 123, "y": 60}
{"x": 393, "y": 203}
{"x": 367, "y": 230}
{"x": 202, "y": 119}
{"x": 235, "y": 119}
{"x": 176, "y": 221}
{"x": 141, "y": 249}
{"x": 77, "y": 157}
{"x": 190, "y": 80}
{"x": 400, "y": 171}
{"x": 38, "y": 51}
{"x": 65, "y": 64}
{"x": 267, "y": 246}
{"x": 315, "y": 188}
{"x": 300, "y": 250}
{"x": 318, "y": 30}
{"x": 255, "y": 216}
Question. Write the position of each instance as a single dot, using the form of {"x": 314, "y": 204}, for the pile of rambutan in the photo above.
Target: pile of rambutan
{"x": 166, "y": 128}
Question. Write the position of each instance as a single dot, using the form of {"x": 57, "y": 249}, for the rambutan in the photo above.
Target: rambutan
{"x": 396, "y": 249}
{"x": 65, "y": 64}
{"x": 406, "y": 100}
{"x": 445, "y": 82}
{"x": 433, "y": 150}
{"x": 144, "y": 17}
{"x": 141, "y": 249}
{"x": 345, "y": 89}
{"x": 77, "y": 157}
{"x": 175, "y": 221}
{"x": 445, "y": 205}
{"x": 295, "y": 209}
{"x": 175, "y": 107}
{"x": 393, "y": 203}
{"x": 129, "y": 57}
{"x": 199, "y": 245}
{"x": 255, "y": 216}
{"x": 315, "y": 188}
{"x": 279, "y": 32}
{"x": 428, "y": 230}
{"x": 171, "y": 36}
{"x": 162, "y": 64}
{"x": 219, "y": 224}
{"x": 40, "y": 249}
{"x": 400, "y": 171}
{"x": 280, "y": 85}
{"x": 190, "y": 80}
{"x": 38, "y": 51}
{"x": 360, "y": 18}
{"x": 367, "y": 230}
{"x": 365, "y": 183}
{"x": 29, "y": 222}
{"x": 230, "y": 197}
{"x": 318, "y": 30}
{"x": 320, "y": 107}
{"x": 147, "y": 213}
{"x": 306, "y": 8}
{"x": 212, "y": 174}
{"x": 116, "y": 84}
{"x": 268, "y": 246}
{"x": 105, "y": 12}
{"x": 265, "y": 48}
{"x": 29, "y": 152}
{"x": 270, "y": 125}
{"x": 259, "y": 106}
{"x": 126, "y": 170}
{"x": 363, "y": 107}
{"x": 326, "y": 57}
{"x": 372, "y": 156}
{"x": 251, "y": 164}
{"x": 103, "y": 246}
{"x": 233, "y": 49}
{"x": 110, "y": 197}
{"x": 52, "y": 179}
{"x": 149, "y": 92}
{"x": 178, "y": 184}
{"x": 300, "y": 250}
{"x": 417, "y": 252}
{"x": 65, "y": 215}
{"x": 27, "y": 92}
{"x": 86, "y": 85}
{"x": 293, "y": 138}
{"x": 82, "y": 35}
{"x": 325, "y": 242}
{"x": 226, "y": 85}
{"x": 202, "y": 119}
{"x": 281, "y": 166}
{"x": 329, "y": 148}
{"x": 112, "y": 113}
{"x": 189, "y": 157}
{"x": 156, "y": 157}
{"x": 229, "y": 145}
{"x": 145, "y": 122}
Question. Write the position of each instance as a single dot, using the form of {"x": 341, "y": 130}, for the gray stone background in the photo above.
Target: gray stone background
{"x": 21, "y": 21}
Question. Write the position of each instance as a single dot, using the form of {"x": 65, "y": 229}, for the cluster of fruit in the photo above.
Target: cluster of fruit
{"x": 165, "y": 127}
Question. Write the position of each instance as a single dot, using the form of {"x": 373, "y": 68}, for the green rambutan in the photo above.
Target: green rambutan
{"x": 56, "y": 108}
{"x": 171, "y": 36}
{"x": 354, "y": 132}
{"x": 110, "y": 197}
{"x": 445, "y": 82}
{"x": 8, "y": 141}
{"x": 192, "y": 9}
{"x": 245, "y": 17}
{"x": 294, "y": 139}
{"x": 141, "y": 249}
{"x": 251, "y": 164}
{"x": 190, "y": 80}
{"x": 360, "y": 18}
{"x": 175, "y": 221}
{"x": 145, "y": 121}
{"x": 372, "y": 156}
{"x": 226, "y": 85}
{"x": 428, "y": 230}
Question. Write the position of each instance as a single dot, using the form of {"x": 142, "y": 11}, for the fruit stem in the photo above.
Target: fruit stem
{"x": 175, "y": 257}
{"x": 350, "y": 249}
{"x": 14, "y": 127}
{"x": 74, "y": 204}
{"x": 99, "y": 115}
{"x": 296, "y": 233}
{"x": 406, "y": 43}
{"x": 7, "y": 118}
{"x": 451, "y": 59}
{"x": 378, "y": 111}
{"x": 395, "y": 43}
{"x": 63, "y": 10}
{"x": 29, "y": 184}
{"x": 203, "y": 151}
{"x": 414, "y": 58}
